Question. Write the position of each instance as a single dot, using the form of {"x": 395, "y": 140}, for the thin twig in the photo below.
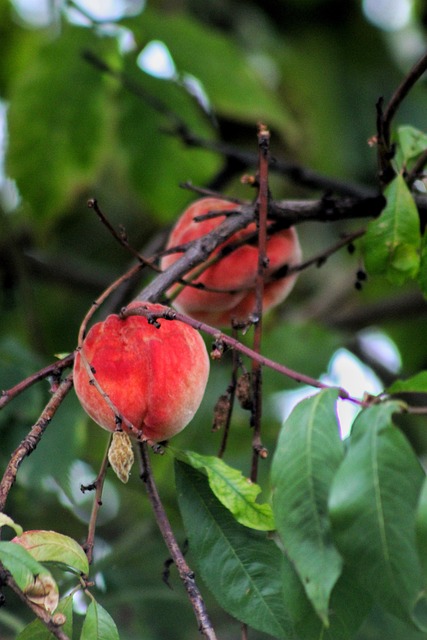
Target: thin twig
{"x": 31, "y": 441}
{"x": 185, "y": 573}
{"x": 231, "y": 391}
{"x": 224, "y": 339}
{"x": 53, "y": 370}
{"x": 262, "y": 201}
{"x": 121, "y": 238}
{"x": 100, "y": 299}
{"x": 386, "y": 115}
{"x": 400, "y": 94}
{"x": 297, "y": 173}
{"x": 98, "y": 485}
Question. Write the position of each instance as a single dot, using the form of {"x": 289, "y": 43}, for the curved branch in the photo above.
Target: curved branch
{"x": 53, "y": 370}
{"x": 185, "y": 573}
{"x": 31, "y": 441}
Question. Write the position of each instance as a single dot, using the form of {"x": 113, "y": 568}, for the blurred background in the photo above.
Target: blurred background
{"x": 124, "y": 101}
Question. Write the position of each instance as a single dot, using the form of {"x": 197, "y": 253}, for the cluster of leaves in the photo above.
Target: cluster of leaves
{"x": 346, "y": 532}
{"x": 349, "y": 520}
{"x": 394, "y": 245}
{"x": 27, "y": 558}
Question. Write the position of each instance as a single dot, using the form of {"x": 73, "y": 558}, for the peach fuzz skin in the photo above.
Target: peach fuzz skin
{"x": 155, "y": 377}
{"x": 235, "y": 272}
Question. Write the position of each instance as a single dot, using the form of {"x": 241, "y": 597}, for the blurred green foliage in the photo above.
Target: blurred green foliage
{"x": 83, "y": 121}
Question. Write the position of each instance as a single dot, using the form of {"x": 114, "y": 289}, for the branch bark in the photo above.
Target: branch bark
{"x": 185, "y": 573}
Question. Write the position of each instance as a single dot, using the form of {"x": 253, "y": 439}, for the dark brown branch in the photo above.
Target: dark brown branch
{"x": 285, "y": 213}
{"x": 400, "y": 94}
{"x": 295, "y": 172}
{"x": 199, "y": 251}
{"x": 326, "y": 209}
{"x": 53, "y": 370}
{"x": 31, "y": 441}
{"x": 385, "y": 117}
{"x": 185, "y": 573}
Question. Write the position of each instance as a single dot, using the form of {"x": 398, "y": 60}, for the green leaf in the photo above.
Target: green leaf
{"x": 237, "y": 493}
{"x": 152, "y": 153}
{"x": 308, "y": 453}
{"x": 411, "y": 142}
{"x": 372, "y": 508}
{"x": 421, "y": 528}
{"x": 236, "y": 91}
{"x": 50, "y": 546}
{"x": 7, "y": 521}
{"x": 98, "y": 624}
{"x": 241, "y": 566}
{"x": 55, "y": 146}
{"x": 392, "y": 241}
{"x": 36, "y": 630}
{"x": 20, "y": 563}
{"x": 31, "y": 577}
{"x": 349, "y": 606}
{"x": 422, "y": 274}
{"x": 414, "y": 384}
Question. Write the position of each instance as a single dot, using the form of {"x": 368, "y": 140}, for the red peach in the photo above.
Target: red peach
{"x": 233, "y": 278}
{"x": 154, "y": 377}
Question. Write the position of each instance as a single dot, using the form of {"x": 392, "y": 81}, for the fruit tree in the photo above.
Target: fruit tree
{"x": 213, "y": 369}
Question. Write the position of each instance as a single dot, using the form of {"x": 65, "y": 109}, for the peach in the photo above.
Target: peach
{"x": 154, "y": 377}
{"x": 231, "y": 280}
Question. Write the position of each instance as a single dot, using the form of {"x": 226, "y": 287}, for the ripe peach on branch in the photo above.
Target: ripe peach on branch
{"x": 228, "y": 284}
{"x": 144, "y": 379}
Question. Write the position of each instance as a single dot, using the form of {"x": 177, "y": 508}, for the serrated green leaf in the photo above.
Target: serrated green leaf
{"x": 98, "y": 624}
{"x": 237, "y": 493}
{"x": 392, "y": 241}
{"x": 372, "y": 508}
{"x": 240, "y": 566}
{"x": 308, "y": 453}
{"x": 36, "y": 630}
{"x": 414, "y": 384}
{"x": 50, "y": 546}
{"x": 7, "y": 521}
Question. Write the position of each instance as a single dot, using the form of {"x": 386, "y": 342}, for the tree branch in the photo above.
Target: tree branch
{"x": 185, "y": 573}
{"x": 31, "y": 441}
{"x": 42, "y": 614}
{"x": 262, "y": 211}
{"x": 222, "y": 340}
